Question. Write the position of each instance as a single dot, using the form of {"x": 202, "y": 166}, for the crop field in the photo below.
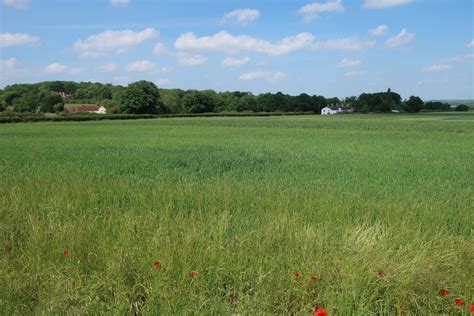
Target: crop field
{"x": 358, "y": 214}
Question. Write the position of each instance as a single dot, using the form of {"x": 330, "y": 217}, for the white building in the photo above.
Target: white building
{"x": 331, "y": 110}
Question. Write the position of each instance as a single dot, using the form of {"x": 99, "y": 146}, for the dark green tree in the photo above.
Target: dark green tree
{"x": 142, "y": 97}
{"x": 198, "y": 102}
{"x": 462, "y": 108}
{"x": 413, "y": 104}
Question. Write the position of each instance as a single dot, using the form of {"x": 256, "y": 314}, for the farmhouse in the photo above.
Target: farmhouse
{"x": 331, "y": 110}
{"x": 89, "y": 108}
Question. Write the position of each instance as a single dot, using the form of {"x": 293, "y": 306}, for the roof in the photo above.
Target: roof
{"x": 73, "y": 108}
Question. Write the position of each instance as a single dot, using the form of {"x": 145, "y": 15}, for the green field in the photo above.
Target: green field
{"x": 244, "y": 202}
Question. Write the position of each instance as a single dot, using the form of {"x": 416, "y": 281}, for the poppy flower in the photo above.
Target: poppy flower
{"x": 471, "y": 308}
{"x": 320, "y": 312}
{"x": 157, "y": 265}
{"x": 298, "y": 275}
{"x": 314, "y": 279}
{"x": 302, "y": 283}
{"x": 381, "y": 274}
{"x": 443, "y": 292}
{"x": 458, "y": 302}
{"x": 192, "y": 274}
{"x": 66, "y": 252}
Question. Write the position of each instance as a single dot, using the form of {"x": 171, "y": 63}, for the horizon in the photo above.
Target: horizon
{"x": 331, "y": 48}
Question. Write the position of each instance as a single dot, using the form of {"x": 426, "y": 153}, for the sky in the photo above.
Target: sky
{"x": 326, "y": 47}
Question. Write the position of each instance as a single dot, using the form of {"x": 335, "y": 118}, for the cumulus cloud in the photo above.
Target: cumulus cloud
{"x": 356, "y": 73}
{"x": 235, "y": 62}
{"x": 140, "y": 66}
{"x": 437, "y": 67}
{"x": 109, "y": 42}
{"x": 119, "y": 2}
{"x": 383, "y": 4}
{"x": 17, "y": 39}
{"x": 241, "y": 16}
{"x": 160, "y": 50}
{"x": 8, "y": 64}
{"x": 55, "y": 68}
{"x": 228, "y": 43}
{"x": 311, "y": 11}
{"x": 349, "y": 63}
{"x": 402, "y": 39}
{"x": 349, "y": 44}
{"x": 269, "y": 76}
{"x": 107, "y": 68}
{"x": 379, "y": 30}
{"x": 17, "y": 4}
{"x": 471, "y": 44}
{"x": 187, "y": 59}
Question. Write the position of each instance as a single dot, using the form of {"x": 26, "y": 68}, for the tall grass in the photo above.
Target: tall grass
{"x": 244, "y": 202}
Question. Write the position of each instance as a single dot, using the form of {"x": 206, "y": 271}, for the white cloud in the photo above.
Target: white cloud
{"x": 471, "y": 44}
{"x": 55, "y": 68}
{"x": 379, "y": 30}
{"x": 17, "y": 39}
{"x": 383, "y": 4}
{"x": 140, "y": 66}
{"x": 350, "y": 44}
{"x": 160, "y": 50}
{"x": 228, "y": 43}
{"x": 402, "y": 39}
{"x": 241, "y": 16}
{"x": 349, "y": 63}
{"x": 17, "y": 4}
{"x": 162, "y": 82}
{"x": 119, "y": 2}
{"x": 234, "y": 62}
{"x": 8, "y": 64}
{"x": 107, "y": 68}
{"x": 356, "y": 73}
{"x": 108, "y": 42}
{"x": 437, "y": 67}
{"x": 459, "y": 58}
{"x": 187, "y": 59}
{"x": 311, "y": 11}
{"x": 269, "y": 76}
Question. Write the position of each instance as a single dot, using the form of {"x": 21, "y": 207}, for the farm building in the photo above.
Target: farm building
{"x": 89, "y": 108}
{"x": 331, "y": 110}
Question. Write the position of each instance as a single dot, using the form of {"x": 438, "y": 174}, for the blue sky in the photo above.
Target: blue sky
{"x": 328, "y": 47}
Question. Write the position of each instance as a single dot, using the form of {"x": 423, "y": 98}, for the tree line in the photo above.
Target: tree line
{"x": 144, "y": 97}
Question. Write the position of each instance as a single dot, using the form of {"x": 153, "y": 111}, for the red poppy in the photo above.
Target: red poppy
{"x": 381, "y": 274}
{"x": 157, "y": 265}
{"x": 443, "y": 292}
{"x": 66, "y": 252}
{"x": 302, "y": 283}
{"x": 192, "y": 274}
{"x": 458, "y": 302}
{"x": 298, "y": 275}
{"x": 471, "y": 308}
{"x": 320, "y": 312}
{"x": 314, "y": 279}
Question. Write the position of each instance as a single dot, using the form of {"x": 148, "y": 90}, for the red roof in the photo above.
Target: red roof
{"x": 83, "y": 108}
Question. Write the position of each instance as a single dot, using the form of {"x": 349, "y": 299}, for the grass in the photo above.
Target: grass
{"x": 244, "y": 202}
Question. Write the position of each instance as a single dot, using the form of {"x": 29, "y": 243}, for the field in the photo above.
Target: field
{"x": 379, "y": 208}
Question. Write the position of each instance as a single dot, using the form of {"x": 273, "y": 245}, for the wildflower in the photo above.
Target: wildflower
{"x": 298, "y": 275}
{"x": 302, "y": 283}
{"x": 381, "y": 274}
{"x": 66, "y": 252}
{"x": 314, "y": 279}
{"x": 458, "y": 302}
{"x": 320, "y": 312}
{"x": 443, "y": 292}
{"x": 471, "y": 308}
{"x": 192, "y": 274}
{"x": 157, "y": 265}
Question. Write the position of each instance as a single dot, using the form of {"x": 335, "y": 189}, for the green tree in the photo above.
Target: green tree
{"x": 27, "y": 102}
{"x": 199, "y": 102}
{"x": 48, "y": 101}
{"x": 142, "y": 97}
{"x": 462, "y": 108}
{"x": 413, "y": 104}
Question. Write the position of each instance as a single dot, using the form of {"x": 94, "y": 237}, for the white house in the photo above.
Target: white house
{"x": 331, "y": 110}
